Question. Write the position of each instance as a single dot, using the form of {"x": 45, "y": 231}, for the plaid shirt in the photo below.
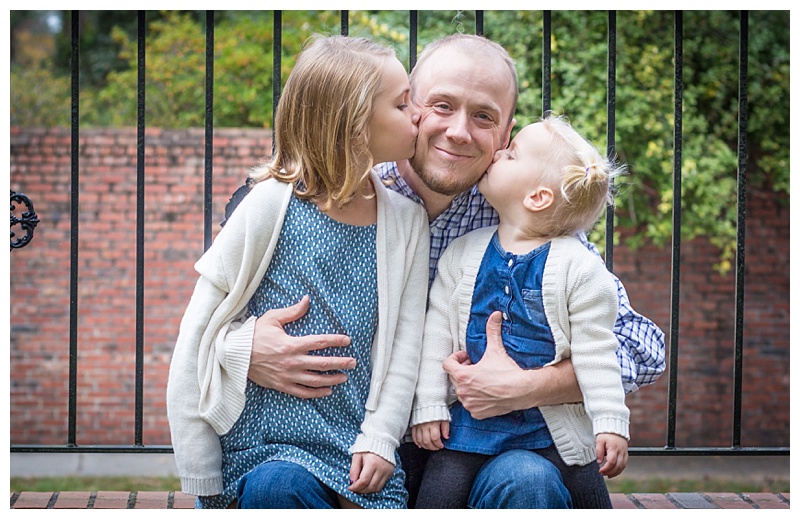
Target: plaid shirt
{"x": 641, "y": 351}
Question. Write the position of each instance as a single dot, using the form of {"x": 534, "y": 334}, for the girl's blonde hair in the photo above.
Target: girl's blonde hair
{"x": 584, "y": 177}
{"x": 321, "y": 124}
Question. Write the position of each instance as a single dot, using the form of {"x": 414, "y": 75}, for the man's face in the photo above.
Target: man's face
{"x": 465, "y": 107}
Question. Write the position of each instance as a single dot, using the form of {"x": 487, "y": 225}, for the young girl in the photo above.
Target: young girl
{"x": 554, "y": 299}
{"x": 320, "y": 224}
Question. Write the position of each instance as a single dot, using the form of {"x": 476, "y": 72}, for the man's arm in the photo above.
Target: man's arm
{"x": 282, "y": 362}
{"x": 277, "y": 360}
{"x": 497, "y": 385}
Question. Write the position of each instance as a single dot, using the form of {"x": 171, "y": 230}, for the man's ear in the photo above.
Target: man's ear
{"x": 539, "y": 199}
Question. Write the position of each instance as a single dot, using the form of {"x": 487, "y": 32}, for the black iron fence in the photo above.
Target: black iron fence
{"x": 28, "y": 221}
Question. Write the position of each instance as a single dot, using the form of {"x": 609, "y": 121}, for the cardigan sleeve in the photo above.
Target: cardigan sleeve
{"x": 592, "y": 307}
{"x": 384, "y": 425}
{"x": 449, "y": 306}
{"x": 205, "y": 394}
{"x": 641, "y": 342}
{"x": 430, "y": 396}
{"x": 198, "y": 455}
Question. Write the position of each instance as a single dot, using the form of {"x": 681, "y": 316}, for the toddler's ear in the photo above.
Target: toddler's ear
{"x": 539, "y": 199}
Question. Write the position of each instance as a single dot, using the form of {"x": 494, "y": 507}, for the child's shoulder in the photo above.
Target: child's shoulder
{"x": 475, "y": 240}
{"x": 403, "y": 207}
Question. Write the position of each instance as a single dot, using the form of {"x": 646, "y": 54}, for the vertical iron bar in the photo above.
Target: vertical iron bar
{"x": 675, "y": 290}
{"x": 209, "y": 140}
{"x": 546, "y": 58}
{"x": 277, "y": 24}
{"x": 740, "y": 228}
{"x": 140, "y": 125}
{"x": 611, "y": 111}
{"x": 412, "y": 40}
{"x": 345, "y": 22}
{"x": 479, "y": 23}
{"x": 74, "y": 228}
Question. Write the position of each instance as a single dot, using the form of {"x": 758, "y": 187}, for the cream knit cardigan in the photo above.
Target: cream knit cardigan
{"x": 208, "y": 375}
{"x": 581, "y": 304}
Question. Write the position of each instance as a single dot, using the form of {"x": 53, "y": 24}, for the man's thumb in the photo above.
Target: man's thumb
{"x": 494, "y": 337}
{"x": 291, "y": 313}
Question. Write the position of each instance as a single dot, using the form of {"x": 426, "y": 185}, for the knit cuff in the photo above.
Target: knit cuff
{"x": 375, "y": 446}
{"x": 612, "y": 425}
{"x": 202, "y": 486}
{"x": 234, "y": 345}
{"x": 431, "y": 413}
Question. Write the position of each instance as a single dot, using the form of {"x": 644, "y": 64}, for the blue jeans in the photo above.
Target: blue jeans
{"x": 280, "y": 484}
{"x": 519, "y": 479}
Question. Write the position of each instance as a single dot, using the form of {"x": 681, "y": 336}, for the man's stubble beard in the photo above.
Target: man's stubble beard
{"x": 448, "y": 185}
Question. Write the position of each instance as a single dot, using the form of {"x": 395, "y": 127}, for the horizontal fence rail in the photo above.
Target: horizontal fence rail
{"x": 670, "y": 448}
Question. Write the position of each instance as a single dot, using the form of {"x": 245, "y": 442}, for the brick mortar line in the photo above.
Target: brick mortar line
{"x": 672, "y": 500}
{"x": 636, "y": 502}
{"x": 747, "y": 500}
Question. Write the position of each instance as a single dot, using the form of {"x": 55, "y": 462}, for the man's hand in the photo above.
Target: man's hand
{"x": 496, "y": 385}
{"x": 612, "y": 454}
{"x": 281, "y": 362}
{"x": 429, "y": 435}
{"x": 368, "y": 473}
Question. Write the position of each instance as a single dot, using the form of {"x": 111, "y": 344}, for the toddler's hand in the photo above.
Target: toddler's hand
{"x": 612, "y": 454}
{"x": 368, "y": 473}
{"x": 429, "y": 435}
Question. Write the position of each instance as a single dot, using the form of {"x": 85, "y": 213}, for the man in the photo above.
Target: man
{"x": 466, "y": 90}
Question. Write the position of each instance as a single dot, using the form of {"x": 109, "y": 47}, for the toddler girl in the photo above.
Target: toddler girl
{"x": 555, "y": 299}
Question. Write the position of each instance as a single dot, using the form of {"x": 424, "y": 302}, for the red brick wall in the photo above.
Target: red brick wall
{"x": 39, "y": 310}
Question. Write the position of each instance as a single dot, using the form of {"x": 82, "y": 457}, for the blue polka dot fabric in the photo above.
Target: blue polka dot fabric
{"x": 335, "y": 264}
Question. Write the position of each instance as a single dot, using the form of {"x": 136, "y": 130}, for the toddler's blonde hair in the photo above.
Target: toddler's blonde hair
{"x": 322, "y": 119}
{"x": 583, "y": 176}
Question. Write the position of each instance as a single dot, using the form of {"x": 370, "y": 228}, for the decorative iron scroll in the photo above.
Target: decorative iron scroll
{"x": 27, "y": 221}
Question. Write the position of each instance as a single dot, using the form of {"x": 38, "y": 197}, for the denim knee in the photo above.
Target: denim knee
{"x": 280, "y": 484}
{"x": 519, "y": 479}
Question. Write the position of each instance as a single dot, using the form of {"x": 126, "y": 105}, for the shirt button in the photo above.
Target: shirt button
{"x": 507, "y": 290}
{"x": 505, "y": 316}
{"x": 510, "y": 262}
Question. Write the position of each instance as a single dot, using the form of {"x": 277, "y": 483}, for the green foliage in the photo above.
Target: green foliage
{"x": 645, "y": 104}
{"x": 38, "y": 98}
{"x": 644, "y": 98}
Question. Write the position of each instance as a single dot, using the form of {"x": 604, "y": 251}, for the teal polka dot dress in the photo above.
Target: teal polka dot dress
{"x": 335, "y": 264}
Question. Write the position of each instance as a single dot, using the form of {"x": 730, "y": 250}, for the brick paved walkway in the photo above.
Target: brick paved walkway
{"x": 176, "y": 500}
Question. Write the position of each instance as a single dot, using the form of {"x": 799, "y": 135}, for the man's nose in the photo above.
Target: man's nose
{"x": 458, "y": 129}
